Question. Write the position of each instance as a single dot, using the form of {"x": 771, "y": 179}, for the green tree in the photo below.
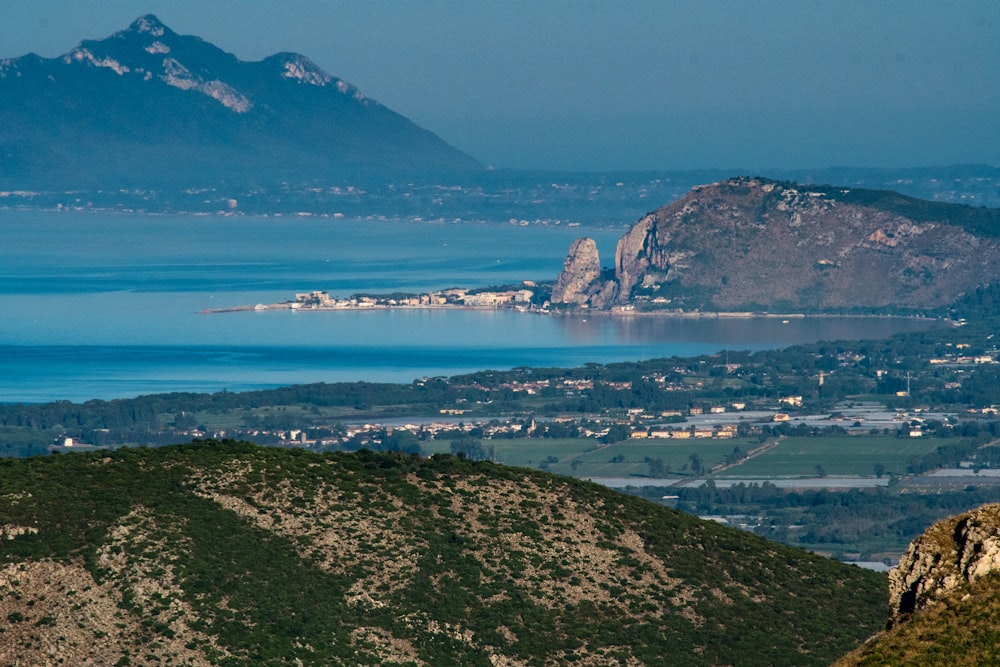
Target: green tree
{"x": 472, "y": 449}
{"x": 656, "y": 467}
{"x": 697, "y": 465}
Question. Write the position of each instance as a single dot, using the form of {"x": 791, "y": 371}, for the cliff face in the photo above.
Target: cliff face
{"x": 580, "y": 282}
{"x": 944, "y": 597}
{"x": 761, "y": 245}
{"x": 946, "y": 559}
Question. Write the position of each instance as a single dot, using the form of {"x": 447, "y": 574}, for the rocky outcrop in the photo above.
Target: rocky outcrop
{"x": 754, "y": 244}
{"x": 581, "y": 282}
{"x": 945, "y": 561}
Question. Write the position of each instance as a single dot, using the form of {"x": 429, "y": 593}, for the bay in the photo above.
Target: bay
{"x": 110, "y": 306}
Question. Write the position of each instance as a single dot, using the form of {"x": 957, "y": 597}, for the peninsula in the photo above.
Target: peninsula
{"x": 754, "y": 244}
{"x": 750, "y": 247}
{"x": 529, "y": 296}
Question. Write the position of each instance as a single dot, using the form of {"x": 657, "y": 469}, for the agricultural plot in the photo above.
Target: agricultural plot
{"x": 858, "y": 456}
{"x": 526, "y": 452}
{"x": 633, "y": 458}
{"x": 836, "y": 455}
{"x": 585, "y": 457}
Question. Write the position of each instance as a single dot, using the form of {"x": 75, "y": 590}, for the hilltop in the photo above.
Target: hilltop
{"x": 228, "y": 553}
{"x": 148, "y": 107}
{"x": 756, "y": 244}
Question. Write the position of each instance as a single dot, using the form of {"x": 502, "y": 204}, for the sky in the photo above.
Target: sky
{"x": 621, "y": 85}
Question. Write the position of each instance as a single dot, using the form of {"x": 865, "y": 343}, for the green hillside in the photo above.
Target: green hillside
{"x": 228, "y": 553}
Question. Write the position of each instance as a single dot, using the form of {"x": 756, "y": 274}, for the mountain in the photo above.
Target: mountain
{"x": 758, "y": 244}
{"x": 944, "y": 598}
{"x": 149, "y": 106}
{"x": 229, "y": 553}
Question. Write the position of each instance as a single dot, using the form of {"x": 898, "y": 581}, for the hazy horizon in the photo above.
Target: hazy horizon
{"x": 640, "y": 85}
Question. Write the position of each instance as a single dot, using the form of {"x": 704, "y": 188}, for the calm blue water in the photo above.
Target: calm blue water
{"x": 108, "y": 306}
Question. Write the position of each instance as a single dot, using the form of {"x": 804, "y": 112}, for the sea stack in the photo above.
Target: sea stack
{"x": 581, "y": 282}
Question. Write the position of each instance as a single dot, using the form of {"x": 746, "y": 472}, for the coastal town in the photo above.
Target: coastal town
{"x": 522, "y": 298}
{"x": 529, "y": 296}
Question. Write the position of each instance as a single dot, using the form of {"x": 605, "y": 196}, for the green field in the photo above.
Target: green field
{"x": 676, "y": 457}
{"x": 585, "y": 457}
{"x": 793, "y": 457}
{"x": 525, "y": 452}
{"x": 838, "y": 455}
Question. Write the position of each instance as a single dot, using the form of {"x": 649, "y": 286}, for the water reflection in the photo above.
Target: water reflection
{"x": 731, "y": 332}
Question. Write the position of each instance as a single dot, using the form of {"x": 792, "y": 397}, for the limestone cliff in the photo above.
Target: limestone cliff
{"x": 581, "y": 282}
{"x": 946, "y": 560}
{"x": 944, "y": 597}
{"x": 755, "y": 244}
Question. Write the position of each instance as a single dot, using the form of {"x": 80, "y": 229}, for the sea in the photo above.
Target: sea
{"x": 111, "y": 305}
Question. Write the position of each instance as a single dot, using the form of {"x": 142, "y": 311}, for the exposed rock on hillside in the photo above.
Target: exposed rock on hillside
{"x": 754, "y": 244}
{"x": 944, "y": 598}
{"x": 947, "y": 558}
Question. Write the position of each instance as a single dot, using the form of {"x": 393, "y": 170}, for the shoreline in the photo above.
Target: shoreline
{"x": 618, "y": 311}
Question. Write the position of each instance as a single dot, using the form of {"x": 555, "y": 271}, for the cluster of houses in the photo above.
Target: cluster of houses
{"x": 512, "y": 298}
{"x": 371, "y": 434}
{"x": 724, "y": 431}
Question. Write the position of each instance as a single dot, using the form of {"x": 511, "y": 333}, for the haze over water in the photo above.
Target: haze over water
{"x": 108, "y": 306}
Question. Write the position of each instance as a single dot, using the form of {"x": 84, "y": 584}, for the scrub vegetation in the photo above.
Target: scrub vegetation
{"x": 221, "y": 552}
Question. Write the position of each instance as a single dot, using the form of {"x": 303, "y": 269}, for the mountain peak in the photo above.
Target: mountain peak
{"x": 148, "y": 24}
{"x": 178, "y": 96}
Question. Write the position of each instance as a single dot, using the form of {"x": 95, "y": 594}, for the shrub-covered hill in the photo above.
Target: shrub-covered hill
{"x": 228, "y": 553}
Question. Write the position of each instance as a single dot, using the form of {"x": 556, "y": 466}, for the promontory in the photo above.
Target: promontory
{"x": 752, "y": 244}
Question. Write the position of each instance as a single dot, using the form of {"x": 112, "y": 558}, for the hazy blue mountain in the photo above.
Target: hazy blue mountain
{"x": 149, "y": 106}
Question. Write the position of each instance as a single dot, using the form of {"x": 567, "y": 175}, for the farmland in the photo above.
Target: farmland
{"x": 836, "y": 455}
{"x": 788, "y": 457}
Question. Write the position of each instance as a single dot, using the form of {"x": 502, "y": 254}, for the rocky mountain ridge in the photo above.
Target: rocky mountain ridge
{"x": 147, "y": 105}
{"x": 755, "y": 244}
{"x": 581, "y": 278}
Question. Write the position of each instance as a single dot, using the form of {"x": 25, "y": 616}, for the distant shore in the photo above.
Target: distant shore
{"x": 617, "y": 311}
{"x": 288, "y": 305}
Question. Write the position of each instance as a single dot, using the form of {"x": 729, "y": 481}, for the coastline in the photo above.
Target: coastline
{"x": 618, "y": 311}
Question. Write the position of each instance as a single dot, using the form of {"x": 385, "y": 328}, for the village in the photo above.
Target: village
{"x": 514, "y": 299}
{"x": 709, "y": 420}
